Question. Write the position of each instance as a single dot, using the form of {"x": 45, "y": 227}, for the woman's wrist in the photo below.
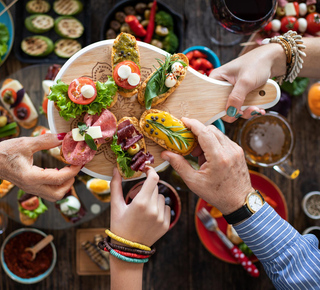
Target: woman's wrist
{"x": 277, "y": 56}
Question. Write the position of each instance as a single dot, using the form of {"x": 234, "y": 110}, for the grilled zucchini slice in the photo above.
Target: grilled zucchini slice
{"x": 67, "y": 7}
{"x": 68, "y": 27}
{"x": 37, "y": 45}
{"x": 39, "y": 23}
{"x": 36, "y": 6}
{"x": 65, "y": 48}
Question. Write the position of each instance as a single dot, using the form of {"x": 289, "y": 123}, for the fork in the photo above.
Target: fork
{"x": 211, "y": 225}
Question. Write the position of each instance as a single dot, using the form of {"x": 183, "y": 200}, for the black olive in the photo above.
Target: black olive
{"x": 147, "y": 125}
{"x": 22, "y": 113}
{"x": 156, "y": 133}
{"x": 129, "y": 10}
{"x": 111, "y": 34}
{"x": 168, "y": 201}
{"x": 124, "y": 55}
{"x": 120, "y": 16}
{"x": 163, "y": 119}
{"x": 157, "y": 117}
{"x": 122, "y": 52}
{"x": 141, "y": 7}
{"x": 115, "y": 25}
{"x": 151, "y": 131}
{"x": 152, "y": 118}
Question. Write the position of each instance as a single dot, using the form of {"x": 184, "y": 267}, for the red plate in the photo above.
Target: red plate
{"x": 211, "y": 241}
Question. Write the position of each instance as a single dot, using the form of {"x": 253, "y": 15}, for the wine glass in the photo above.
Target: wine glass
{"x": 241, "y": 17}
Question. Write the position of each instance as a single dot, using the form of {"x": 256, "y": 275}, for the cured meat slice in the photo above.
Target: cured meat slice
{"x": 124, "y": 124}
{"x": 129, "y": 142}
{"x": 125, "y": 132}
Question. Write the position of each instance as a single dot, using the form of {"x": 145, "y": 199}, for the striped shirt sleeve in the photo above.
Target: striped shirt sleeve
{"x": 291, "y": 260}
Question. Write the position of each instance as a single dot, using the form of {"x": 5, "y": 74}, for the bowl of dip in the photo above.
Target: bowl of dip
{"x": 15, "y": 261}
{"x": 311, "y": 204}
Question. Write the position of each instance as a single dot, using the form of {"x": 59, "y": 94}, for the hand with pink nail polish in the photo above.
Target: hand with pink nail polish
{"x": 16, "y": 166}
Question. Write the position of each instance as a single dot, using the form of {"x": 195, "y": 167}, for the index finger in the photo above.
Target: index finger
{"x": 150, "y": 183}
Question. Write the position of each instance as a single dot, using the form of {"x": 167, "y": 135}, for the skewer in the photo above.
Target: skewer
{"x": 249, "y": 43}
{"x": 8, "y": 7}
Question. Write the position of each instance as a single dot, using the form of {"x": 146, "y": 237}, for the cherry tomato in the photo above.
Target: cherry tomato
{"x": 313, "y": 20}
{"x": 31, "y": 203}
{"x": 195, "y": 64}
{"x": 74, "y": 91}
{"x": 289, "y": 23}
{"x": 124, "y": 82}
{"x": 205, "y": 64}
{"x": 189, "y": 55}
{"x": 45, "y": 105}
{"x": 268, "y": 27}
{"x": 22, "y": 111}
{"x": 197, "y": 54}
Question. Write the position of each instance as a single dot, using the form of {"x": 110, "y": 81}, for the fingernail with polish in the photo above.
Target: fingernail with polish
{"x": 82, "y": 166}
{"x": 60, "y": 136}
{"x": 238, "y": 116}
{"x": 254, "y": 113}
{"x": 231, "y": 111}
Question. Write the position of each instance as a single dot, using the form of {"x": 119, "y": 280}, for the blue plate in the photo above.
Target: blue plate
{"x": 6, "y": 19}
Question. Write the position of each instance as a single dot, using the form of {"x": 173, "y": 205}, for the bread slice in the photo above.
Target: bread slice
{"x": 26, "y": 220}
{"x": 159, "y": 141}
{"x": 126, "y": 93}
{"x": 134, "y": 121}
{"x": 161, "y": 98}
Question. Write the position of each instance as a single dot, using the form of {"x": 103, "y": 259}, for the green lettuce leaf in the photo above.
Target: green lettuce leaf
{"x": 123, "y": 158}
{"x": 297, "y": 87}
{"x": 33, "y": 214}
{"x": 69, "y": 109}
{"x": 4, "y": 38}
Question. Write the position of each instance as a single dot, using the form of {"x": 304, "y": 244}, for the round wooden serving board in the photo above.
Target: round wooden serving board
{"x": 198, "y": 97}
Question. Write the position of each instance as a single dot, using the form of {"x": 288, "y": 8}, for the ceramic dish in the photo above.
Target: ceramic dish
{"x": 212, "y": 57}
{"x": 6, "y": 19}
{"x": 211, "y": 241}
{"x": 307, "y": 197}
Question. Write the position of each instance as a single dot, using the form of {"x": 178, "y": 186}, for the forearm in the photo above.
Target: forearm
{"x": 125, "y": 275}
{"x": 292, "y": 261}
{"x": 311, "y": 65}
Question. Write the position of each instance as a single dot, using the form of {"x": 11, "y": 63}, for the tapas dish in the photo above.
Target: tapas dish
{"x": 8, "y": 127}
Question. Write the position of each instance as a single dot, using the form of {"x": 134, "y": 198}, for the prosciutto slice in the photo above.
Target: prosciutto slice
{"x": 79, "y": 153}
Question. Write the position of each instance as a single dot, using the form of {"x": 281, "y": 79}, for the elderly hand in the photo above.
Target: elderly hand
{"x": 146, "y": 219}
{"x": 16, "y": 166}
{"x": 223, "y": 179}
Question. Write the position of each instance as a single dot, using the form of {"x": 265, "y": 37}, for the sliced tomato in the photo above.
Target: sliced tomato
{"x": 45, "y": 105}
{"x": 22, "y": 111}
{"x": 14, "y": 93}
{"x": 313, "y": 20}
{"x": 123, "y": 83}
{"x": 31, "y": 203}
{"x": 74, "y": 91}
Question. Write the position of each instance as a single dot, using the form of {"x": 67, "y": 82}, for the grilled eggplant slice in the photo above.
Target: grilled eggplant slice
{"x": 65, "y": 48}
{"x": 36, "y": 6}
{"x": 67, "y": 7}
{"x": 68, "y": 27}
{"x": 39, "y": 23}
{"x": 37, "y": 45}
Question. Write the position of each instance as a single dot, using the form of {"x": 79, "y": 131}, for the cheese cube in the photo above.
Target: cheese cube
{"x": 94, "y": 132}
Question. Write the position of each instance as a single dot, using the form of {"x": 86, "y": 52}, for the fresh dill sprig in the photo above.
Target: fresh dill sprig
{"x": 175, "y": 137}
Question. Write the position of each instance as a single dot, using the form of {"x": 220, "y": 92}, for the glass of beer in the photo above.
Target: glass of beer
{"x": 268, "y": 141}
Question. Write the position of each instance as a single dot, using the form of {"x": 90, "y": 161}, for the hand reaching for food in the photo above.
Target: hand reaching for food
{"x": 16, "y": 159}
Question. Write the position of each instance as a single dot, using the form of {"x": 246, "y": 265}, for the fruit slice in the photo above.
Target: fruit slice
{"x": 68, "y": 27}
{"x": 65, "y": 48}
{"x": 39, "y": 23}
{"x": 67, "y": 7}
{"x": 37, "y": 45}
{"x": 36, "y": 6}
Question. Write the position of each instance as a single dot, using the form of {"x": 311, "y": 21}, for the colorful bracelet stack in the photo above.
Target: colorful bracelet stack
{"x": 135, "y": 253}
{"x": 292, "y": 44}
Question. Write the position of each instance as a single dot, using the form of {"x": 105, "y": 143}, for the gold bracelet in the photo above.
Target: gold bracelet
{"x": 127, "y": 242}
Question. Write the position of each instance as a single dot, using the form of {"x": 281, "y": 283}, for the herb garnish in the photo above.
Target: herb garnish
{"x": 173, "y": 136}
{"x": 87, "y": 138}
{"x": 62, "y": 201}
{"x": 72, "y": 208}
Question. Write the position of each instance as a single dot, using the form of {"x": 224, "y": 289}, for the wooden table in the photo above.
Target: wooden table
{"x": 182, "y": 261}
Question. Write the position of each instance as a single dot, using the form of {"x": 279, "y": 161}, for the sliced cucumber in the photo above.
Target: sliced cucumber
{"x": 36, "y": 6}
{"x": 37, "y": 45}
{"x": 65, "y": 48}
{"x": 67, "y": 7}
{"x": 39, "y": 23}
{"x": 68, "y": 27}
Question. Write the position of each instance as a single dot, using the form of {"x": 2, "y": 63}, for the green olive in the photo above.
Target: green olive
{"x": 8, "y": 98}
{"x": 162, "y": 31}
{"x": 134, "y": 149}
{"x": 157, "y": 43}
{"x": 281, "y": 11}
{"x": 145, "y": 23}
{"x": 311, "y": 8}
{"x": 3, "y": 121}
{"x": 147, "y": 14}
{"x": 125, "y": 28}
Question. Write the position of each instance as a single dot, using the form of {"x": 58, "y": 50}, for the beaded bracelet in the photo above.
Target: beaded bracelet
{"x": 127, "y": 242}
{"x": 131, "y": 255}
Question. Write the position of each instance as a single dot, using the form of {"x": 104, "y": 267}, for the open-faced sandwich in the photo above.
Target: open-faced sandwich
{"x": 130, "y": 148}
{"x": 163, "y": 82}
{"x": 125, "y": 61}
{"x": 5, "y": 187}
{"x": 80, "y": 145}
{"x": 30, "y": 207}
{"x": 83, "y": 95}
{"x": 70, "y": 206}
{"x": 8, "y": 128}
{"x": 18, "y": 103}
{"x": 167, "y": 131}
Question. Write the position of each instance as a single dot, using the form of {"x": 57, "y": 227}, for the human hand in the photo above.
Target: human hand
{"x": 146, "y": 219}
{"x": 16, "y": 166}
{"x": 247, "y": 73}
{"x": 223, "y": 179}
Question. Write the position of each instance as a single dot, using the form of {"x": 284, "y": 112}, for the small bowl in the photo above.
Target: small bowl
{"x": 305, "y": 201}
{"x": 27, "y": 280}
{"x": 310, "y": 229}
{"x": 173, "y": 195}
{"x": 212, "y": 57}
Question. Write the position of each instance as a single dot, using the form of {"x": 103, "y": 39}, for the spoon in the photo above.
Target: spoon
{"x": 39, "y": 246}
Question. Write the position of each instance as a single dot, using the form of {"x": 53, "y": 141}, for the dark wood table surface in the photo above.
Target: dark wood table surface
{"x": 182, "y": 262}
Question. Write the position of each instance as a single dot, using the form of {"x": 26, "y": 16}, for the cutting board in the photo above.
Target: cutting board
{"x": 198, "y": 97}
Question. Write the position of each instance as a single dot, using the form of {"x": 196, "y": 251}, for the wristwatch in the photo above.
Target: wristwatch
{"x": 254, "y": 201}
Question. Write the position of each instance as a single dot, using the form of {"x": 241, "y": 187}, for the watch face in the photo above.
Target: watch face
{"x": 255, "y": 202}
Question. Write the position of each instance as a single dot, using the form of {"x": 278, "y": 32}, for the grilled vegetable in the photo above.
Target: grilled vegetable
{"x": 95, "y": 255}
{"x": 36, "y": 6}
{"x": 67, "y": 7}
{"x": 68, "y": 27}
{"x": 37, "y": 45}
{"x": 39, "y": 23}
{"x": 65, "y": 48}
{"x": 99, "y": 238}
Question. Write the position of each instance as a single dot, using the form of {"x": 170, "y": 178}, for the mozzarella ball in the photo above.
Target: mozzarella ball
{"x": 133, "y": 79}
{"x": 124, "y": 71}
{"x": 71, "y": 206}
{"x": 177, "y": 68}
{"x": 302, "y": 24}
{"x": 303, "y": 9}
{"x": 275, "y": 25}
{"x": 87, "y": 91}
{"x": 170, "y": 80}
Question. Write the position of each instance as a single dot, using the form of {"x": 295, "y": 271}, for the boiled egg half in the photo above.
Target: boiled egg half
{"x": 98, "y": 186}
{"x": 70, "y": 206}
